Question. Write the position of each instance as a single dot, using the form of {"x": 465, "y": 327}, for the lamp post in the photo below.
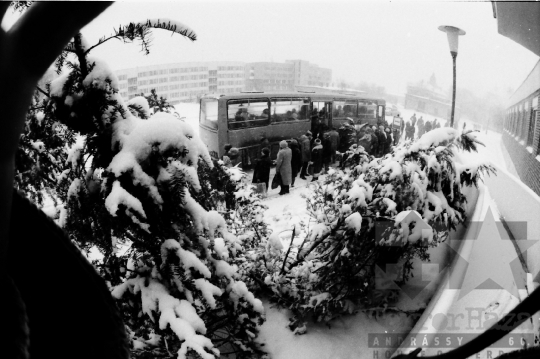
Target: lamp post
{"x": 452, "y": 33}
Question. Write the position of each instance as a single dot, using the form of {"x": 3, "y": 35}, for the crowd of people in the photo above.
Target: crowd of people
{"x": 311, "y": 155}
{"x": 415, "y": 128}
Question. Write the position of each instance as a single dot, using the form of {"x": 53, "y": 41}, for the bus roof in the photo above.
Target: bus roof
{"x": 320, "y": 96}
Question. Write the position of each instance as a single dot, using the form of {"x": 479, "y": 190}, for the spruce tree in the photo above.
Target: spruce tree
{"x": 135, "y": 191}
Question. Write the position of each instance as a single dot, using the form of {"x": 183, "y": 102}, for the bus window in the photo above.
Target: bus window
{"x": 367, "y": 110}
{"x": 347, "y": 108}
{"x": 209, "y": 113}
{"x": 289, "y": 109}
{"x": 243, "y": 113}
{"x": 380, "y": 111}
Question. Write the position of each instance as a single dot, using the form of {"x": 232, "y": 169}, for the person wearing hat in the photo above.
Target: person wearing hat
{"x": 232, "y": 158}
{"x": 283, "y": 166}
{"x": 389, "y": 140}
{"x": 317, "y": 159}
{"x": 261, "y": 174}
{"x": 305, "y": 149}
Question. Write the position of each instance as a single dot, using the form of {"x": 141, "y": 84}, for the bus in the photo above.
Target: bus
{"x": 247, "y": 120}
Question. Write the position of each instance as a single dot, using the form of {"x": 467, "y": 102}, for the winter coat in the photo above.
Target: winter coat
{"x": 305, "y": 148}
{"x": 381, "y": 137}
{"x": 347, "y": 136}
{"x": 261, "y": 174}
{"x": 334, "y": 140}
{"x": 296, "y": 161}
{"x": 396, "y": 135}
{"x": 389, "y": 141}
{"x": 409, "y": 130}
{"x": 428, "y": 126}
{"x": 327, "y": 150}
{"x": 420, "y": 127}
{"x": 374, "y": 144}
{"x": 283, "y": 165}
{"x": 365, "y": 142}
{"x": 317, "y": 159}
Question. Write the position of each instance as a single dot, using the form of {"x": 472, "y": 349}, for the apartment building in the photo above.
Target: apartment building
{"x": 273, "y": 76}
{"x": 186, "y": 82}
{"x": 182, "y": 82}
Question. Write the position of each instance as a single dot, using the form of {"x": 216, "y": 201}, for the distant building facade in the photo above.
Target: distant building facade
{"x": 428, "y": 100}
{"x": 182, "y": 82}
{"x": 186, "y": 82}
{"x": 272, "y": 76}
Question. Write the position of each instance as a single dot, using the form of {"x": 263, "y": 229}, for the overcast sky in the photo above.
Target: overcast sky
{"x": 381, "y": 42}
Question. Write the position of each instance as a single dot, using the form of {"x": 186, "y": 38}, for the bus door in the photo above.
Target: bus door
{"x": 248, "y": 122}
{"x": 208, "y": 126}
{"x": 321, "y": 115}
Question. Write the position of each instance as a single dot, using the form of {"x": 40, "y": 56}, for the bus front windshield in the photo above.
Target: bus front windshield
{"x": 209, "y": 113}
{"x": 244, "y": 113}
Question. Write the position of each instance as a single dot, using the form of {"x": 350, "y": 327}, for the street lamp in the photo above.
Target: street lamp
{"x": 452, "y": 33}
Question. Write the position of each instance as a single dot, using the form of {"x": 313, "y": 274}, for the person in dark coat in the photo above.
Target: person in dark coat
{"x": 409, "y": 131}
{"x": 327, "y": 151}
{"x": 428, "y": 127}
{"x": 317, "y": 159}
{"x": 420, "y": 127}
{"x": 413, "y": 120}
{"x": 389, "y": 140}
{"x": 365, "y": 140}
{"x": 374, "y": 142}
{"x": 347, "y": 136}
{"x": 381, "y": 137}
{"x": 261, "y": 174}
{"x": 296, "y": 161}
{"x": 305, "y": 149}
{"x": 334, "y": 140}
{"x": 283, "y": 166}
